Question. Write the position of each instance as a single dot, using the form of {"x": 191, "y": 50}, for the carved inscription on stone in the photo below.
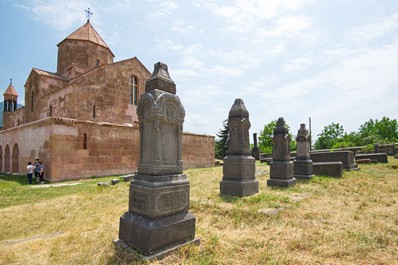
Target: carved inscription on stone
{"x": 172, "y": 201}
{"x": 138, "y": 200}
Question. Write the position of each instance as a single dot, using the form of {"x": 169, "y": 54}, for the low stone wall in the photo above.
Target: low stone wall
{"x": 330, "y": 169}
{"x": 346, "y": 157}
{"x": 197, "y": 150}
{"x": 73, "y": 149}
{"x": 379, "y": 157}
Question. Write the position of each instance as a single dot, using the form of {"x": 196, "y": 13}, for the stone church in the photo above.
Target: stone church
{"x": 81, "y": 121}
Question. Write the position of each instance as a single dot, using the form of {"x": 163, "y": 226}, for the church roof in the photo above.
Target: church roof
{"x": 47, "y": 73}
{"x": 11, "y": 90}
{"x": 87, "y": 33}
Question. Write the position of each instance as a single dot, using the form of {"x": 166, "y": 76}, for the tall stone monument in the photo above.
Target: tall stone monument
{"x": 239, "y": 165}
{"x": 281, "y": 168}
{"x": 158, "y": 219}
{"x": 255, "y": 149}
{"x": 302, "y": 165}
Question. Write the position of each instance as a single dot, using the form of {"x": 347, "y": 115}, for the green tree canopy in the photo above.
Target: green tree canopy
{"x": 330, "y": 135}
{"x": 375, "y": 131}
{"x": 266, "y": 135}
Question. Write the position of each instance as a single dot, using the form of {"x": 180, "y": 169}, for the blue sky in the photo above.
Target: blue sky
{"x": 334, "y": 61}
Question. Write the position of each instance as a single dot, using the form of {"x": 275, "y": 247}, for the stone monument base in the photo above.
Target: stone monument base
{"x": 157, "y": 255}
{"x": 281, "y": 174}
{"x": 153, "y": 237}
{"x": 241, "y": 188}
{"x": 302, "y": 169}
{"x": 283, "y": 183}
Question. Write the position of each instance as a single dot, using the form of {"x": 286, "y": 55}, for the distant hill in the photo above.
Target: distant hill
{"x": 1, "y": 111}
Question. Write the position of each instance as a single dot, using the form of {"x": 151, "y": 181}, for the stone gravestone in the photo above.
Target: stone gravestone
{"x": 239, "y": 165}
{"x": 158, "y": 220}
{"x": 255, "y": 149}
{"x": 302, "y": 165}
{"x": 281, "y": 168}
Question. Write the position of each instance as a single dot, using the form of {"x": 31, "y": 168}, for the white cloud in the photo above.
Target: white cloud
{"x": 298, "y": 64}
{"x": 163, "y": 9}
{"x": 58, "y": 14}
{"x": 182, "y": 27}
{"x": 375, "y": 30}
{"x": 288, "y": 25}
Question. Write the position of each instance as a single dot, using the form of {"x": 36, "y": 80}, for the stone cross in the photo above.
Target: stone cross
{"x": 255, "y": 149}
{"x": 239, "y": 165}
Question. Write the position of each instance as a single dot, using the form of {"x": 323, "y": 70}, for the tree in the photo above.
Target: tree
{"x": 330, "y": 135}
{"x": 266, "y": 135}
{"x": 265, "y": 138}
{"x": 375, "y": 131}
{"x": 221, "y": 145}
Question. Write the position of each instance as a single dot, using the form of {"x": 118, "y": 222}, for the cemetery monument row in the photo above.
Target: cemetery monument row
{"x": 158, "y": 219}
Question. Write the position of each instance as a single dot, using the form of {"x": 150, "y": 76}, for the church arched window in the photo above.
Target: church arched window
{"x": 133, "y": 90}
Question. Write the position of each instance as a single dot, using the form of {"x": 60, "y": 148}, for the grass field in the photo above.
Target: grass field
{"x": 351, "y": 220}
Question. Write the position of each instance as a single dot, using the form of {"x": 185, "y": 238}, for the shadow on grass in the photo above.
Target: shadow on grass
{"x": 229, "y": 198}
{"x": 20, "y": 179}
{"x": 124, "y": 257}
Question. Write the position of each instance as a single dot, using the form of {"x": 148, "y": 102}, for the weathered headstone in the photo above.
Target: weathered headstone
{"x": 281, "y": 168}
{"x": 255, "y": 149}
{"x": 302, "y": 164}
{"x": 239, "y": 165}
{"x": 158, "y": 219}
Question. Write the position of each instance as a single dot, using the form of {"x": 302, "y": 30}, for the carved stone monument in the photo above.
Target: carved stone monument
{"x": 302, "y": 165}
{"x": 239, "y": 165}
{"x": 281, "y": 168}
{"x": 255, "y": 149}
{"x": 158, "y": 219}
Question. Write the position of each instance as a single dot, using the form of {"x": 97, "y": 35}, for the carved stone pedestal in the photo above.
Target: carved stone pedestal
{"x": 281, "y": 174}
{"x": 281, "y": 168}
{"x": 239, "y": 165}
{"x": 239, "y": 172}
{"x": 158, "y": 220}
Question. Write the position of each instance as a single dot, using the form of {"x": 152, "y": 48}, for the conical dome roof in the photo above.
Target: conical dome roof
{"x": 87, "y": 33}
{"x": 10, "y": 91}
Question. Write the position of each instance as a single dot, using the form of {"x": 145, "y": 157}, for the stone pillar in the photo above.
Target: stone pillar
{"x": 281, "y": 168}
{"x": 158, "y": 220}
{"x": 239, "y": 165}
{"x": 302, "y": 165}
{"x": 255, "y": 150}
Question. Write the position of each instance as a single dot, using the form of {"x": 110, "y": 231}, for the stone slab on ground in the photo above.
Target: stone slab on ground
{"x": 42, "y": 186}
{"x": 19, "y": 241}
{"x": 379, "y": 157}
{"x": 331, "y": 169}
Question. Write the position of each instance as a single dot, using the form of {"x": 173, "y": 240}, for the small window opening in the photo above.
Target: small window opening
{"x": 133, "y": 91}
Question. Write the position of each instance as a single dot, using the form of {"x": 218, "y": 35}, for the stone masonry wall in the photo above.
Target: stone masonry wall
{"x": 197, "y": 150}
{"x": 84, "y": 149}
{"x": 73, "y": 149}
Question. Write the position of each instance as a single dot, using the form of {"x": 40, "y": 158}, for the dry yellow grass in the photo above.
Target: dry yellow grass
{"x": 352, "y": 220}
